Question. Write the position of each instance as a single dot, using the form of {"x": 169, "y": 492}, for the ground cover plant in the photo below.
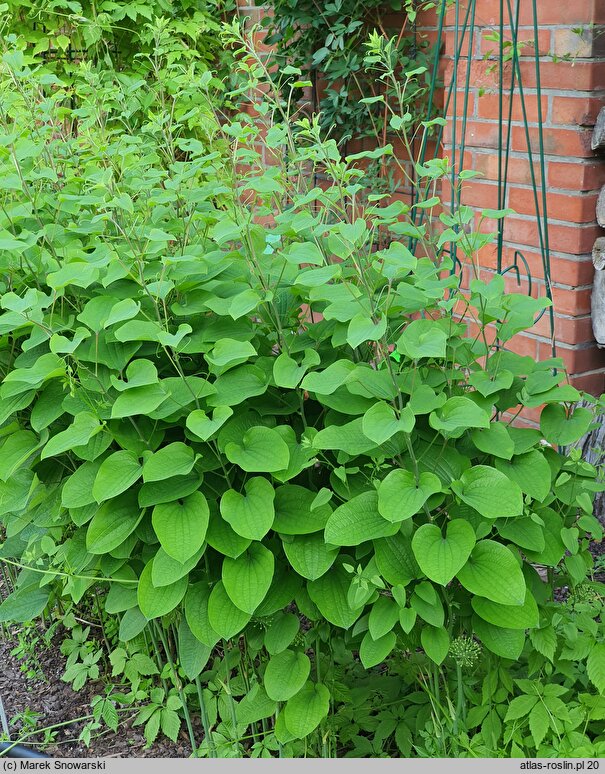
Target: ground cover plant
{"x": 245, "y": 432}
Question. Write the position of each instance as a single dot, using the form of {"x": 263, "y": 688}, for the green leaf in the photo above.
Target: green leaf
{"x": 356, "y": 521}
{"x": 330, "y": 379}
{"x": 228, "y": 353}
{"x": 525, "y": 533}
{"x": 383, "y": 617}
{"x": 380, "y": 423}
{"x": 79, "y": 433}
{"x": 525, "y": 616}
{"x": 544, "y": 641}
{"x": 286, "y": 371}
{"x": 155, "y": 602}
{"x": 373, "y": 652}
{"x": 132, "y": 624}
{"x": 530, "y": 471}
{"x": 15, "y": 452}
{"x": 201, "y": 425}
{"x": 24, "y": 605}
{"x": 181, "y": 526}
{"x": 439, "y": 557}
{"x": 489, "y": 492}
{"x": 77, "y": 489}
{"x": 395, "y": 559}
{"x": 294, "y": 514}
{"x": 281, "y": 633}
{"x": 176, "y": 459}
{"x": 255, "y": 706}
{"x": 349, "y": 438}
{"x": 193, "y": 654}
{"x": 247, "y": 579}
{"x": 251, "y": 515}
{"x": 286, "y": 674}
{"x": 427, "y": 604}
{"x": 157, "y": 492}
{"x": 595, "y": 666}
{"x": 507, "y": 643}
{"x": 138, "y": 400}
{"x": 305, "y": 711}
{"x": 224, "y": 617}
{"x": 399, "y": 497}
{"x": 116, "y": 473}
{"x": 330, "y": 595}
{"x": 435, "y": 643}
{"x": 493, "y": 572}
{"x": 113, "y": 523}
{"x": 489, "y": 383}
{"x": 223, "y": 539}
{"x": 458, "y": 415}
{"x": 519, "y": 707}
{"x": 423, "y": 338}
{"x": 539, "y": 723}
{"x": 167, "y": 570}
{"x": 309, "y": 555}
{"x": 561, "y": 428}
{"x": 494, "y": 440}
{"x": 262, "y": 450}
{"x": 196, "y": 613}
{"x": 363, "y": 328}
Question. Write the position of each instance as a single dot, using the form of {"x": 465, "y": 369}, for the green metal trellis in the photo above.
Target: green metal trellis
{"x": 456, "y": 108}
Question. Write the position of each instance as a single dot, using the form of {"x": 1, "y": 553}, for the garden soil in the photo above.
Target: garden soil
{"x": 56, "y": 702}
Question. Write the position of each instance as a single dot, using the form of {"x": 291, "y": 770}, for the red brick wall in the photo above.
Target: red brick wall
{"x": 572, "y": 71}
{"x": 573, "y": 91}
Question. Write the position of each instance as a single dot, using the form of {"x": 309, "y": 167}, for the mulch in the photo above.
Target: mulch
{"x": 56, "y": 702}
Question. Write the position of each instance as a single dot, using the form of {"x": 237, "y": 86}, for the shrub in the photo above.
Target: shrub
{"x": 235, "y": 405}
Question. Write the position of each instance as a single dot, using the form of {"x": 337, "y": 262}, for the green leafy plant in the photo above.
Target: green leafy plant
{"x": 321, "y": 50}
{"x": 119, "y": 35}
{"x": 246, "y": 414}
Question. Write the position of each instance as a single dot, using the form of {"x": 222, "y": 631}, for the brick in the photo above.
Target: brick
{"x": 571, "y": 301}
{"x": 568, "y": 330}
{"x": 553, "y": 12}
{"x": 574, "y": 76}
{"x": 469, "y": 45}
{"x": 526, "y": 38}
{"x": 575, "y": 111}
{"x": 575, "y": 240}
{"x": 480, "y": 194}
{"x": 577, "y": 359}
{"x": 576, "y": 175}
{"x": 591, "y": 382}
{"x": 578, "y": 42}
{"x": 556, "y": 142}
{"x": 488, "y": 106}
{"x": 578, "y": 208}
{"x": 519, "y": 169}
{"x": 564, "y": 270}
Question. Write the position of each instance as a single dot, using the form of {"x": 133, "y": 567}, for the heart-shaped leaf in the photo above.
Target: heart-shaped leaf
{"x": 399, "y": 497}
{"x": 181, "y": 526}
{"x": 250, "y": 515}
{"x": 286, "y": 674}
{"x": 380, "y": 423}
{"x": 262, "y": 450}
{"x": 200, "y": 424}
{"x": 487, "y": 565}
{"x": 559, "y": 427}
{"x": 248, "y": 578}
{"x": 439, "y": 557}
{"x": 489, "y": 492}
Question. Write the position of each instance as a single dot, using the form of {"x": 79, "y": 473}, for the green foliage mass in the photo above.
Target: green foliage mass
{"x": 326, "y": 42}
{"x": 237, "y": 407}
{"x": 118, "y": 35}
